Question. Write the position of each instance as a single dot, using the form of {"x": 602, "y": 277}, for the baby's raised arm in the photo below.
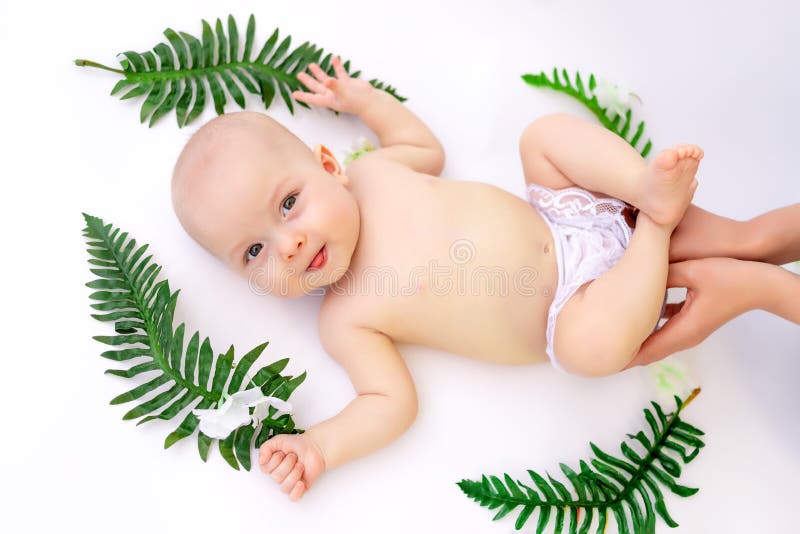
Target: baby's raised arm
{"x": 385, "y": 406}
{"x": 403, "y": 136}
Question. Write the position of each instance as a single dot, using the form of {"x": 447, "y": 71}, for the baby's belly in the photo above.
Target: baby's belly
{"x": 487, "y": 295}
{"x": 500, "y": 330}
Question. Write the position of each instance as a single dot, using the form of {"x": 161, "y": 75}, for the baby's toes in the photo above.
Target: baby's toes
{"x": 666, "y": 159}
{"x": 689, "y": 151}
{"x": 684, "y": 151}
{"x": 697, "y": 152}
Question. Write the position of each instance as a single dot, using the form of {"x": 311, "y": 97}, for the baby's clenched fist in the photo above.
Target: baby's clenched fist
{"x": 294, "y": 461}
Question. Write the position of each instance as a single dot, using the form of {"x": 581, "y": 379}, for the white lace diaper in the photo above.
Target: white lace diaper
{"x": 590, "y": 235}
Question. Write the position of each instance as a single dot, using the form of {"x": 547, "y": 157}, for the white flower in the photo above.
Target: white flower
{"x": 234, "y": 412}
{"x": 360, "y": 146}
{"x": 616, "y": 99}
{"x": 671, "y": 376}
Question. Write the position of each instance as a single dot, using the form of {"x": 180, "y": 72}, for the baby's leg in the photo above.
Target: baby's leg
{"x": 600, "y": 328}
{"x": 560, "y": 150}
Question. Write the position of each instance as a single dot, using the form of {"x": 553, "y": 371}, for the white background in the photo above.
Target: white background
{"x": 718, "y": 73}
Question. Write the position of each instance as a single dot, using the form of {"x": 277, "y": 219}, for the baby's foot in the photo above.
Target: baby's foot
{"x": 669, "y": 184}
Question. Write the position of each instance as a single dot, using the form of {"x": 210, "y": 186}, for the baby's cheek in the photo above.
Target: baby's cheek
{"x": 260, "y": 280}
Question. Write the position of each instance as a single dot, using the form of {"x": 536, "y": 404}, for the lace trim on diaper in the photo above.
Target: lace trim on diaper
{"x": 573, "y": 202}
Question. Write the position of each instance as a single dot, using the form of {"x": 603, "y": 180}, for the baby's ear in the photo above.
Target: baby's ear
{"x": 329, "y": 163}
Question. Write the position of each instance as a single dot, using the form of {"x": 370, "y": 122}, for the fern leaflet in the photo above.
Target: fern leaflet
{"x": 174, "y": 75}
{"x": 629, "y": 488}
{"x": 142, "y": 312}
{"x": 586, "y": 96}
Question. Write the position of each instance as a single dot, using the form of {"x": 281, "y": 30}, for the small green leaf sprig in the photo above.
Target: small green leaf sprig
{"x": 142, "y": 312}
{"x": 174, "y": 75}
{"x": 628, "y": 488}
{"x": 585, "y": 95}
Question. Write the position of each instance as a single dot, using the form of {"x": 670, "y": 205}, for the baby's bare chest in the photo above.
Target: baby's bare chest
{"x": 460, "y": 266}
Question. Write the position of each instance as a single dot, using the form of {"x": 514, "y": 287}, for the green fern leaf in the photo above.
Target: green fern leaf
{"x": 142, "y": 311}
{"x": 628, "y": 488}
{"x": 174, "y": 76}
{"x": 617, "y": 125}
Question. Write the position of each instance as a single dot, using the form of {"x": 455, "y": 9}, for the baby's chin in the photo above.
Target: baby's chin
{"x": 309, "y": 283}
{"x": 319, "y": 282}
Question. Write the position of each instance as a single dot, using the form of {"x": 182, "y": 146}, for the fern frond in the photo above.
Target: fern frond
{"x": 585, "y": 95}
{"x": 629, "y": 488}
{"x": 181, "y": 73}
{"x": 142, "y": 309}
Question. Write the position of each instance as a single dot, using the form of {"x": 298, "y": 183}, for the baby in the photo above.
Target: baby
{"x": 472, "y": 269}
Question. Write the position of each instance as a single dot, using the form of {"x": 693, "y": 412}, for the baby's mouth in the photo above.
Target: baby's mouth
{"x": 319, "y": 259}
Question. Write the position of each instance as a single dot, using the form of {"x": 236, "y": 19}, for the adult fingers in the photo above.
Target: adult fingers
{"x": 680, "y": 274}
{"x": 674, "y": 336}
{"x": 672, "y": 308}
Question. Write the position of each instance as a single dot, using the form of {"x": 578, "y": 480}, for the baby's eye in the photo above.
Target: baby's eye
{"x": 288, "y": 202}
{"x": 253, "y": 251}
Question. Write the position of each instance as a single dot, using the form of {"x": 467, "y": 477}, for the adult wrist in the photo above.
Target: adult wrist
{"x": 779, "y": 292}
{"x": 752, "y": 240}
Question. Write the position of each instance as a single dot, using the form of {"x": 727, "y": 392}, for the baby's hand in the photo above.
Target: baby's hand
{"x": 341, "y": 93}
{"x": 294, "y": 461}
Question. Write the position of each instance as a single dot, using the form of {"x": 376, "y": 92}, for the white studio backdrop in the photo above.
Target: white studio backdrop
{"x": 719, "y": 74}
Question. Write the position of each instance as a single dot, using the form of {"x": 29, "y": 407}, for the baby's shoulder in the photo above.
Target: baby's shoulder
{"x": 342, "y": 309}
{"x": 343, "y": 319}
{"x": 373, "y": 166}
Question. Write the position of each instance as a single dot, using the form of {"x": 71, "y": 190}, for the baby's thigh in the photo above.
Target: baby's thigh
{"x": 588, "y": 341}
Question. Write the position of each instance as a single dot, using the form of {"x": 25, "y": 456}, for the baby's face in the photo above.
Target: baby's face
{"x": 276, "y": 212}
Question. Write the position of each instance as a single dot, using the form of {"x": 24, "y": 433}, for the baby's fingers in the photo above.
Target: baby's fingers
{"x": 297, "y": 491}
{"x": 311, "y": 83}
{"x": 318, "y": 72}
{"x": 314, "y": 99}
{"x": 286, "y": 466}
{"x": 268, "y": 464}
{"x": 338, "y": 68}
{"x": 293, "y": 477}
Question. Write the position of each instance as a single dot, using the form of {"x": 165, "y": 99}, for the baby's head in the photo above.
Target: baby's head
{"x": 255, "y": 196}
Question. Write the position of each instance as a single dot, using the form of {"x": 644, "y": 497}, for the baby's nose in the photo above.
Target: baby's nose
{"x": 293, "y": 246}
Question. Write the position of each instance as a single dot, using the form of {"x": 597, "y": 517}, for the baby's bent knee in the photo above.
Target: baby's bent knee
{"x": 594, "y": 355}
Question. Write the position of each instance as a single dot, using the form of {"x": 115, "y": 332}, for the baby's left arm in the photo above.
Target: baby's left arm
{"x": 403, "y": 136}
{"x": 385, "y": 406}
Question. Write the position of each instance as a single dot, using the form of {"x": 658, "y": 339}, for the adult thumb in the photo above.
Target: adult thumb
{"x": 680, "y": 274}
{"x": 670, "y": 338}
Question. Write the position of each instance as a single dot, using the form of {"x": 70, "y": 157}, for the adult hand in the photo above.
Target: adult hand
{"x": 717, "y": 290}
